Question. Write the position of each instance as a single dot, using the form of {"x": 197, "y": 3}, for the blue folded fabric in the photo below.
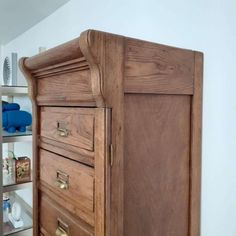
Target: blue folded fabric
{"x": 13, "y": 119}
{"x": 10, "y": 106}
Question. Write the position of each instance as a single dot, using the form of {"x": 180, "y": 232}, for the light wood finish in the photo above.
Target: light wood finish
{"x": 154, "y": 68}
{"x": 51, "y": 213}
{"x": 63, "y": 74}
{"x": 78, "y": 177}
{"x": 72, "y": 152}
{"x": 67, "y": 204}
{"x": 146, "y": 102}
{"x": 99, "y": 49}
{"x": 73, "y": 65}
{"x": 102, "y": 171}
{"x": 156, "y": 165}
{"x": 77, "y": 123}
{"x": 195, "y": 164}
{"x": 113, "y": 91}
{"x": 92, "y": 46}
{"x": 68, "y": 89}
{"x": 60, "y": 54}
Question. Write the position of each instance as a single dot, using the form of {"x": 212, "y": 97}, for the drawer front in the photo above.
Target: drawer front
{"x": 55, "y": 220}
{"x": 64, "y": 89}
{"x": 70, "y": 180}
{"x": 71, "y": 126}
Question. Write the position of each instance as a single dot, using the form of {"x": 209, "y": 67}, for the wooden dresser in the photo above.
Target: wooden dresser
{"x": 117, "y": 137}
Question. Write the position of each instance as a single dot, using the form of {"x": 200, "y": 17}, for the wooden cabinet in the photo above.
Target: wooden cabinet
{"x": 117, "y": 137}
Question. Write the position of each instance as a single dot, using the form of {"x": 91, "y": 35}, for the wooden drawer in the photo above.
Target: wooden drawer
{"x": 70, "y": 126}
{"x": 71, "y": 182}
{"x": 53, "y": 218}
{"x": 55, "y": 87}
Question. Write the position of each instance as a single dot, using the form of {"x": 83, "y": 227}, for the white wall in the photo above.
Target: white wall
{"x": 204, "y": 25}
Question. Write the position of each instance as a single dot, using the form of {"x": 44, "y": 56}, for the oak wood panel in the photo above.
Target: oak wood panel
{"x": 68, "y": 66}
{"x": 105, "y": 55}
{"x": 102, "y": 180}
{"x": 156, "y": 165}
{"x": 71, "y": 88}
{"x": 51, "y": 212}
{"x": 195, "y": 164}
{"x": 66, "y": 203}
{"x": 71, "y": 152}
{"x": 108, "y": 164}
{"x": 155, "y": 68}
{"x": 64, "y": 52}
{"x": 92, "y": 47}
{"x": 80, "y": 179}
{"x": 103, "y": 47}
{"x": 79, "y": 124}
{"x": 113, "y": 68}
{"x": 43, "y": 232}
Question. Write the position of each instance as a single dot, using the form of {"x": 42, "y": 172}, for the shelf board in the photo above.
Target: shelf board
{"x": 16, "y": 186}
{"x": 14, "y": 90}
{"x": 26, "y": 215}
{"x": 16, "y": 137}
{"x": 8, "y": 228}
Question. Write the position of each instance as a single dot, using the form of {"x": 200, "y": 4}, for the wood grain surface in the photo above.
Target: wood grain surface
{"x": 79, "y": 124}
{"x": 155, "y": 68}
{"x": 105, "y": 55}
{"x": 153, "y": 94}
{"x": 75, "y": 211}
{"x": 196, "y": 134}
{"x": 60, "y": 54}
{"x": 63, "y": 149}
{"x": 156, "y": 165}
{"x": 102, "y": 138}
{"x": 51, "y": 212}
{"x": 71, "y": 88}
{"x": 80, "y": 178}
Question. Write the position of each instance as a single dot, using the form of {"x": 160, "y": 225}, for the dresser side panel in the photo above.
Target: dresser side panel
{"x": 156, "y": 165}
{"x": 158, "y": 69}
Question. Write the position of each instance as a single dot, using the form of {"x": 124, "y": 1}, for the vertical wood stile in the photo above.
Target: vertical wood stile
{"x": 195, "y": 161}
{"x": 101, "y": 168}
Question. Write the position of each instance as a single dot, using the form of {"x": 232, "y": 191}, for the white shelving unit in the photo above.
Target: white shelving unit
{"x": 14, "y": 90}
{"x": 11, "y": 186}
{"x": 16, "y": 137}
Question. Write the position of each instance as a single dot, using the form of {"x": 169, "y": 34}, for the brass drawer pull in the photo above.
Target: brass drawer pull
{"x": 62, "y": 180}
{"x": 62, "y": 228}
{"x": 61, "y": 129}
{"x": 61, "y": 232}
{"x": 62, "y": 132}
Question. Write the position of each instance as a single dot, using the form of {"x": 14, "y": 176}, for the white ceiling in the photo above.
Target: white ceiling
{"x": 17, "y": 16}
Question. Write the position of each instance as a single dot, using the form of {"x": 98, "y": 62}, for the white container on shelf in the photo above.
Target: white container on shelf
{"x": 15, "y": 215}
